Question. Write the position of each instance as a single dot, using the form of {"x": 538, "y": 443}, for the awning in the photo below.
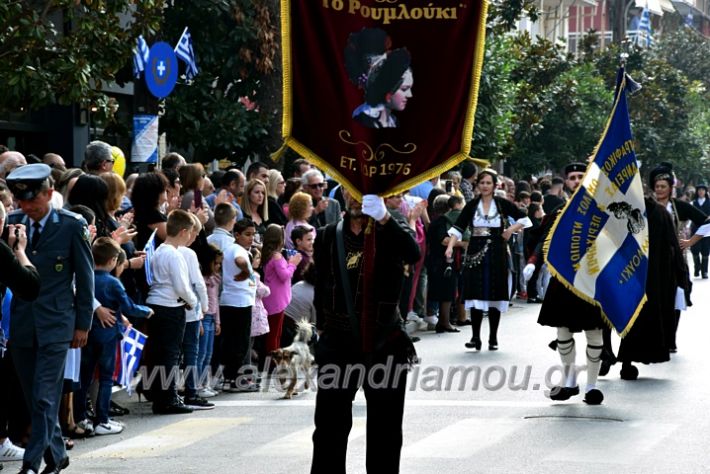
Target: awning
{"x": 654, "y": 6}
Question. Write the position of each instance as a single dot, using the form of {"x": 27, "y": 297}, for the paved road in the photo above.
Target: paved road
{"x": 658, "y": 423}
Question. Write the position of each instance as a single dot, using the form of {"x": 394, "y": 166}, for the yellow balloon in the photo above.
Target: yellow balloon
{"x": 119, "y": 161}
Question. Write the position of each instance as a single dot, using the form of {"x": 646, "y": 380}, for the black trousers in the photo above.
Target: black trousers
{"x": 340, "y": 365}
{"x": 166, "y": 328}
{"x": 14, "y": 417}
{"x": 236, "y": 338}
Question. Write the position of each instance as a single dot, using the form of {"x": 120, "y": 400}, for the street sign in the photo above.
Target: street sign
{"x": 162, "y": 70}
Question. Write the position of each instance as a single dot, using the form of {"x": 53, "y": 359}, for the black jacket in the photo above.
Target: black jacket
{"x": 395, "y": 247}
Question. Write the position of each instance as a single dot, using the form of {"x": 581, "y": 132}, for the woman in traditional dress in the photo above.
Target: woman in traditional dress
{"x": 487, "y": 281}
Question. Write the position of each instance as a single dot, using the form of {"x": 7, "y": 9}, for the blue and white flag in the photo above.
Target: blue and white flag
{"x": 184, "y": 51}
{"x": 598, "y": 248}
{"x": 131, "y": 349}
{"x": 140, "y": 56}
{"x": 149, "y": 251}
{"x": 644, "y": 34}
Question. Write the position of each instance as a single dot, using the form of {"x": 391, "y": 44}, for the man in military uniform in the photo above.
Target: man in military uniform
{"x": 43, "y": 330}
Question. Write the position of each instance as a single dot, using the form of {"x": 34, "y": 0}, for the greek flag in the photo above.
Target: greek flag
{"x": 184, "y": 51}
{"x": 140, "y": 56}
{"x": 131, "y": 350}
{"x": 149, "y": 251}
{"x": 644, "y": 34}
{"x": 598, "y": 248}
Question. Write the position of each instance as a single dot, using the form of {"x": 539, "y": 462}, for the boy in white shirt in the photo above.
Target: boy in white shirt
{"x": 169, "y": 296}
{"x": 238, "y": 294}
{"x": 193, "y": 316}
{"x": 225, "y": 217}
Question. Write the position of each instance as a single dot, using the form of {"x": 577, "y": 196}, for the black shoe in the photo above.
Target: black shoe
{"x": 440, "y": 329}
{"x": 594, "y": 397}
{"x": 563, "y": 393}
{"x": 629, "y": 372}
{"x": 696, "y": 273}
{"x": 197, "y": 403}
{"x": 673, "y": 349}
{"x": 492, "y": 345}
{"x": 117, "y": 410}
{"x": 474, "y": 343}
{"x": 173, "y": 409}
{"x": 705, "y": 276}
{"x": 465, "y": 322}
{"x": 63, "y": 464}
{"x": 536, "y": 299}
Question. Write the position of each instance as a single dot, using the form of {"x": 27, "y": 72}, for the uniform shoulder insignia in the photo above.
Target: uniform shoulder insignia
{"x": 69, "y": 213}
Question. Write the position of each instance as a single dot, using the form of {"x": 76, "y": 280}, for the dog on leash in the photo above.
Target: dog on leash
{"x": 294, "y": 357}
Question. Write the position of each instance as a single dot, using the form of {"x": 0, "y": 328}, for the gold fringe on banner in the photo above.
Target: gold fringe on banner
{"x": 309, "y": 155}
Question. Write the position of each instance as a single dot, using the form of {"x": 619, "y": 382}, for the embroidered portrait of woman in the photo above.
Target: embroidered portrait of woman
{"x": 384, "y": 75}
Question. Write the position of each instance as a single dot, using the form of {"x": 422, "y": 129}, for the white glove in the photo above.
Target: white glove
{"x": 528, "y": 271}
{"x": 374, "y": 206}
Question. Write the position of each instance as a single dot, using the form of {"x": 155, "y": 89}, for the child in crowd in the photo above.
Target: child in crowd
{"x": 238, "y": 297}
{"x": 211, "y": 265}
{"x": 259, "y": 319}
{"x": 225, "y": 216}
{"x": 302, "y": 238}
{"x": 301, "y": 307}
{"x": 277, "y": 276}
{"x": 169, "y": 296}
{"x": 104, "y": 334}
{"x": 191, "y": 338}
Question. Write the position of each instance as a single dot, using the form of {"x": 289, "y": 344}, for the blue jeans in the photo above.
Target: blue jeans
{"x": 100, "y": 350}
{"x": 204, "y": 354}
{"x": 190, "y": 346}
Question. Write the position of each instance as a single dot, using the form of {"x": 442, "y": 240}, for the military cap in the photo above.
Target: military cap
{"x": 702, "y": 186}
{"x": 26, "y": 181}
{"x": 575, "y": 168}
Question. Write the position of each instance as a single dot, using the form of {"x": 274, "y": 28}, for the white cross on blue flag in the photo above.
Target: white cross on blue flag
{"x": 185, "y": 51}
{"x": 140, "y": 56}
{"x": 598, "y": 248}
{"x": 131, "y": 350}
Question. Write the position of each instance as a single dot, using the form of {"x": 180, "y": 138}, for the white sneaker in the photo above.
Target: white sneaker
{"x": 431, "y": 319}
{"x": 412, "y": 316}
{"x": 206, "y": 393}
{"x": 108, "y": 428}
{"x": 87, "y": 426}
{"x": 10, "y": 452}
{"x": 116, "y": 423}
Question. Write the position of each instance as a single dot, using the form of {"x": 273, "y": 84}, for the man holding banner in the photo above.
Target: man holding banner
{"x": 597, "y": 253}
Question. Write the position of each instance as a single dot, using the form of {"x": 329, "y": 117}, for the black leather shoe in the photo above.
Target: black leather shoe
{"x": 474, "y": 343}
{"x": 629, "y": 372}
{"x": 594, "y": 397}
{"x": 440, "y": 329}
{"x": 63, "y": 464}
{"x": 174, "y": 409}
{"x": 536, "y": 299}
{"x": 492, "y": 345}
{"x": 563, "y": 393}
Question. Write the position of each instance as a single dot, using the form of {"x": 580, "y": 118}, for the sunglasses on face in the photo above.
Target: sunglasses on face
{"x": 317, "y": 185}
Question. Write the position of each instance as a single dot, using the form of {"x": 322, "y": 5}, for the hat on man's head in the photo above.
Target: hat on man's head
{"x": 26, "y": 181}
{"x": 664, "y": 171}
{"x": 575, "y": 168}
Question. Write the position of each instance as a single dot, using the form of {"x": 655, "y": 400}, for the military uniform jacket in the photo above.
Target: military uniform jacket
{"x": 66, "y": 269}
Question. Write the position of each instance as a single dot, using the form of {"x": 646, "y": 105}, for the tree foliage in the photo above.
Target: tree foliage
{"x": 222, "y": 111}
{"x": 62, "y": 51}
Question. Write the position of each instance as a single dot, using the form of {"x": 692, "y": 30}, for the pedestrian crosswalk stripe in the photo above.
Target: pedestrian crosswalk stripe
{"x": 409, "y": 403}
{"x": 457, "y": 441}
{"x": 168, "y": 438}
{"x": 613, "y": 443}
{"x": 300, "y": 442}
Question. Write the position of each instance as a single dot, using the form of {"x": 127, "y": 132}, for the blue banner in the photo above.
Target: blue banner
{"x": 598, "y": 248}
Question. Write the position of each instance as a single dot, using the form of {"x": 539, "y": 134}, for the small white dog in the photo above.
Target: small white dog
{"x": 294, "y": 357}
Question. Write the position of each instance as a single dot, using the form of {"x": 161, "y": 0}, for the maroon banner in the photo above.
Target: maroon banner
{"x": 381, "y": 94}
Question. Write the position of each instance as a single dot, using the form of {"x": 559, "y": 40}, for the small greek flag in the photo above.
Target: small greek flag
{"x": 149, "y": 251}
{"x": 131, "y": 349}
{"x": 598, "y": 248}
{"x": 644, "y": 34}
{"x": 184, "y": 51}
{"x": 140, "y": 56}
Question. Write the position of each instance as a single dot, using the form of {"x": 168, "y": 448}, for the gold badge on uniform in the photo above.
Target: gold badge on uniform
{"x": 59, "y": 266}
{"x": 86, "y": 234}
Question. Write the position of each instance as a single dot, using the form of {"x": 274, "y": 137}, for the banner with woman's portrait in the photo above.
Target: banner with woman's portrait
{"x": 381, "y": 94}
